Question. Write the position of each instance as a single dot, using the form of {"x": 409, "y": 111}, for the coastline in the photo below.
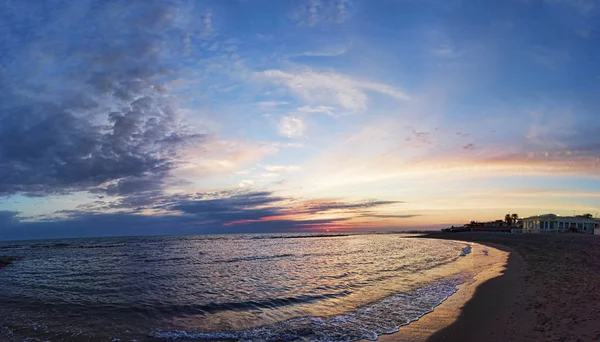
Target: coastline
{"x": 525, "y": 287}
{"x": 456, "y": 317}
{"x": 489, "y": 309}
{"x": 548, "y": 292}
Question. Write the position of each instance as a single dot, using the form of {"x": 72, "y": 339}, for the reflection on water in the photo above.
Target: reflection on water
{"x": 259, "y": 287}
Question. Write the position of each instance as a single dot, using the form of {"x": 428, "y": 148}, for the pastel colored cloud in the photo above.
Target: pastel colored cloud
{"x": 291, "y": 126}
{"x": 208, "y": 117}
{"x": 329, "y": 88}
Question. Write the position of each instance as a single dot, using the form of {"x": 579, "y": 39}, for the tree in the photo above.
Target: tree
{"x": 508, "y": 219}
{"x": 588, "y": 215}
{"x": 515, "y": 218}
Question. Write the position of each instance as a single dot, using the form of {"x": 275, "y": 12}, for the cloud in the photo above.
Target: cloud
{"x": 240, "y": 211}
{"x": 228, "y": 209}
{"x": 291, "y": 126}
{"x": 257, "y": 211}
{"x": 318, "y": 207}
{"x": 342, "y": 7}
{"x": 246, "y": 183}
{"x": 95, "y": 112}
{"x": 317, "y": 109}
{"x": 314, "y": 12}
{"x": 329, "y": 88}
{"x": 207, "y": 24}
{"x": 468, "y": 146}
{"x": 270, "y": 175}
{"x": 330, "y": 51}
{"x": 270, "y": 104}
{"x": 217, "y": 157}
{"x": 132, "y": 185}
{"x": 390, "y": 216}
{"x": 281, "y": 168}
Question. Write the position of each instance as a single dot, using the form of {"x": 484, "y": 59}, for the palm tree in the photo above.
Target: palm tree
{"x": 508, "y": 219}
{"x": 515, "y": 218}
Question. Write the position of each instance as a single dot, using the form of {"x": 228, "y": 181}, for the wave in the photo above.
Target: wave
{"x": 297, "y": 236}
{"x": 368, "y": 322}
{"x": 254, "y": 258}
{"x": 11, "y": 247}
{"x": 60, "y": 245}
{"x": 278, "y": 256}
{"x": 163, "y": 260}
{"x": 103, "y": 245}
{"x": 181, "y": 334}
{"x": 167, "y": 308}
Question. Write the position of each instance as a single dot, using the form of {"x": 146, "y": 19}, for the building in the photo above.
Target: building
{"x": 560, "y": 224}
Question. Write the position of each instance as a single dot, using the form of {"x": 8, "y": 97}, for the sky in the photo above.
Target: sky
{"x": 243, "y": 116}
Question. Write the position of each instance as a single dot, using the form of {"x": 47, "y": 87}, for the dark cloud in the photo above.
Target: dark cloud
{"x": 274, "y": 226}
{"x": 227, "y": 207}
{"x": 88, "y": 225}
{"x": 127, "y": 224}
{"x": 132, "y": 185}
{"x": 389, "y": 216}
{"x": 327, "y": 206}
{"x": 218, "y": 212}
{"x": 93, "y": 115}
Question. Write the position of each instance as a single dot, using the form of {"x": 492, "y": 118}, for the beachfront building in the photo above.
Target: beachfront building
{"x": 490, "y": 226}
{"x": 559, "y": 224}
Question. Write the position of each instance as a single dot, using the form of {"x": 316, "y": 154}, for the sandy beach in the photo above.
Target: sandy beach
{"x": 548, "y": 292}
{"x": 544, "y": 289}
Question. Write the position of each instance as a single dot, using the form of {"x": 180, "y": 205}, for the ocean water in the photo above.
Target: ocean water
{"x": 223, "y": 287}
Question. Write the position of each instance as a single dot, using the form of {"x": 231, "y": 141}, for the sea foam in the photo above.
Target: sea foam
{"x": 368, "y": 322}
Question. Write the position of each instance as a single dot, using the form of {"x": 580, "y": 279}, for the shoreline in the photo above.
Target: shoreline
{"x": 489, "y": 309}
{"x": 519, "y": 287}
{"x": 548, "y": 292}
{"x": 452, "y": 319}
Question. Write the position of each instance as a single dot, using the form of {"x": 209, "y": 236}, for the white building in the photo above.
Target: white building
{"x": 559, "y": 224}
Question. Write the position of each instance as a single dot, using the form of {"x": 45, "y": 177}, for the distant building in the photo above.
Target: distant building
{"x": 491, "y": 226}
{"x": 559, "y": 224}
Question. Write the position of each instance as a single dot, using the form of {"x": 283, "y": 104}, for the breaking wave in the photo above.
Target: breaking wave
{"x": 367, "y": 322}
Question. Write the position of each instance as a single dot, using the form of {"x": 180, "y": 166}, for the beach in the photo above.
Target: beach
{"x": 260, "y": 287}
{"x": 548, "y": 292}
{"x": 521, "y": 287}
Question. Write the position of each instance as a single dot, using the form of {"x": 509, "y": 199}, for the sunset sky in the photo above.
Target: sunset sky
{"x": 183, "y": 117}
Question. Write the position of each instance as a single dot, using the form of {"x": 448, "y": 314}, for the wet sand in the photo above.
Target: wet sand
{"x": 550, "y": 291}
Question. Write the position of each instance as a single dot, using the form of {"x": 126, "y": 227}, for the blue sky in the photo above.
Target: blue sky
{"x": 177, "y": 117}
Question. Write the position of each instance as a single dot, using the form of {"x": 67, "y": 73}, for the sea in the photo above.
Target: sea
{"x": 258, "y": 287}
